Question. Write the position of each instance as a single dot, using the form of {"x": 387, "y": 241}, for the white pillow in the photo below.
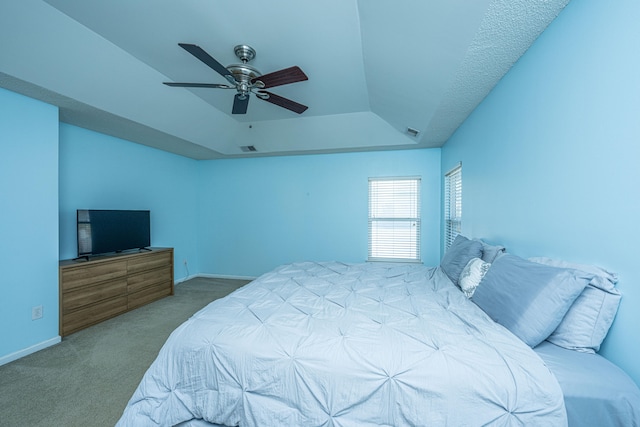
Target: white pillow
{"x": 471, "y": 275}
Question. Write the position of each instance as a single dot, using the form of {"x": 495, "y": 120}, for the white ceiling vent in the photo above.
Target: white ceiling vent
{"x": 248, "y": 148}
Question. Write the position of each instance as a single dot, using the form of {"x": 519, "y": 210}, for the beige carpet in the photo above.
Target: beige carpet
{"x": 88, "y": 378}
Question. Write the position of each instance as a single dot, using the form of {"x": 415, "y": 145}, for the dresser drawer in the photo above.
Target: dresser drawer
{"x": 140, "y": 281}
{"x": 82, "y": 275}
{"x": 92, "y": 314}
{"x": 146, "y": 295}
{"x": 149, "y": 261}
{"x": 81, "y": 297}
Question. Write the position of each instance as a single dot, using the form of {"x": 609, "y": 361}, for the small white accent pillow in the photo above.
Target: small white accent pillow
{"x": 471, "y": 275}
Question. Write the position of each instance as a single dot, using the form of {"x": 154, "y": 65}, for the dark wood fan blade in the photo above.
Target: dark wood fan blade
{"x": 283, "y": 77}
{"x": 240, "y": 105}
{"x": 284, "y": 102}
{"x": 203, "y": 56}
{"x": 209, "y": 85}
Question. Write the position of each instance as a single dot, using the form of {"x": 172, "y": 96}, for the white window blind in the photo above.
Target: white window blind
{"x": 394, "y": 219}
{"x": 452, "y": 205}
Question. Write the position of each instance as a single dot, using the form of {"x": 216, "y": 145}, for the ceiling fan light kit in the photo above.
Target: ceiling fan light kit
{"x": 246, "y": 79}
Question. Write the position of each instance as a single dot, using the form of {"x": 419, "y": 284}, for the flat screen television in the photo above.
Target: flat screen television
{"x": 106, "y": 231}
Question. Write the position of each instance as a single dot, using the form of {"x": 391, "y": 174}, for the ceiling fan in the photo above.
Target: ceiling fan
{"x": 246, "y": 79}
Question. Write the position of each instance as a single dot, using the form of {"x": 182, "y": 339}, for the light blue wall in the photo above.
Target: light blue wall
{"x": 98, "y": 171}
{"x": 256, "y": 214}
{"x": 28, "y": 223}
{"x": 550, "y": 158}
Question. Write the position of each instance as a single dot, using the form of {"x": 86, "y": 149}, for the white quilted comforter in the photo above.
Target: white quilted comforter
{"x": 332, "y": 344}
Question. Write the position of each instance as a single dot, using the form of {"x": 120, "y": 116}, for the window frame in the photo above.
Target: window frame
{"x": 396, "y": 243}
{"x": 452, "y": 204}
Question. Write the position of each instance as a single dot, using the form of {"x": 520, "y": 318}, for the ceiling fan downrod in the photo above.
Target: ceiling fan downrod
{"x": 244, "y": 73}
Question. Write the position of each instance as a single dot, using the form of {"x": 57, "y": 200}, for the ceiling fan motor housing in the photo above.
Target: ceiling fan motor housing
{"x": 243, "y": 73}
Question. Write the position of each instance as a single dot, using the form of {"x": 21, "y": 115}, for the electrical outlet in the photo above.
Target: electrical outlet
{"x": 36, "y": 312}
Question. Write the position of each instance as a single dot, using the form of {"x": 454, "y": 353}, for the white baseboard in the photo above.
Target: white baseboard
{"x": 29, "y": 350}
{"x": 184, "y": 279}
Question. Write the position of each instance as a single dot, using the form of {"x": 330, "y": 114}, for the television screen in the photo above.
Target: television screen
{"x": 104, "y": 231}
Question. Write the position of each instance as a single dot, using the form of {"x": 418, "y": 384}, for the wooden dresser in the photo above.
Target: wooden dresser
{"x": 106, "y": 286}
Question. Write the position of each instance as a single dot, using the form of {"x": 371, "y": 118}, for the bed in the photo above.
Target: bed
{"x": 596, "y": 392}
{"x": 372, "y": 344}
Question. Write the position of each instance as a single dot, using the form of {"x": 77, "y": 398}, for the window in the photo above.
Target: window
{"x": 394, "y": 219}
{"x": 452, "y": 204}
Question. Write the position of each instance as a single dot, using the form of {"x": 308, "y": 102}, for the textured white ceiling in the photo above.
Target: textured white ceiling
{"x": 375, "y": 68}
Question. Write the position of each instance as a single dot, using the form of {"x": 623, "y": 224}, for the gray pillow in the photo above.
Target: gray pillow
{"x": 528, "y": 298}
{"x": 587, "y": 322}
{"x": 458, "y": 256}
{"x": 491, "y": 252}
